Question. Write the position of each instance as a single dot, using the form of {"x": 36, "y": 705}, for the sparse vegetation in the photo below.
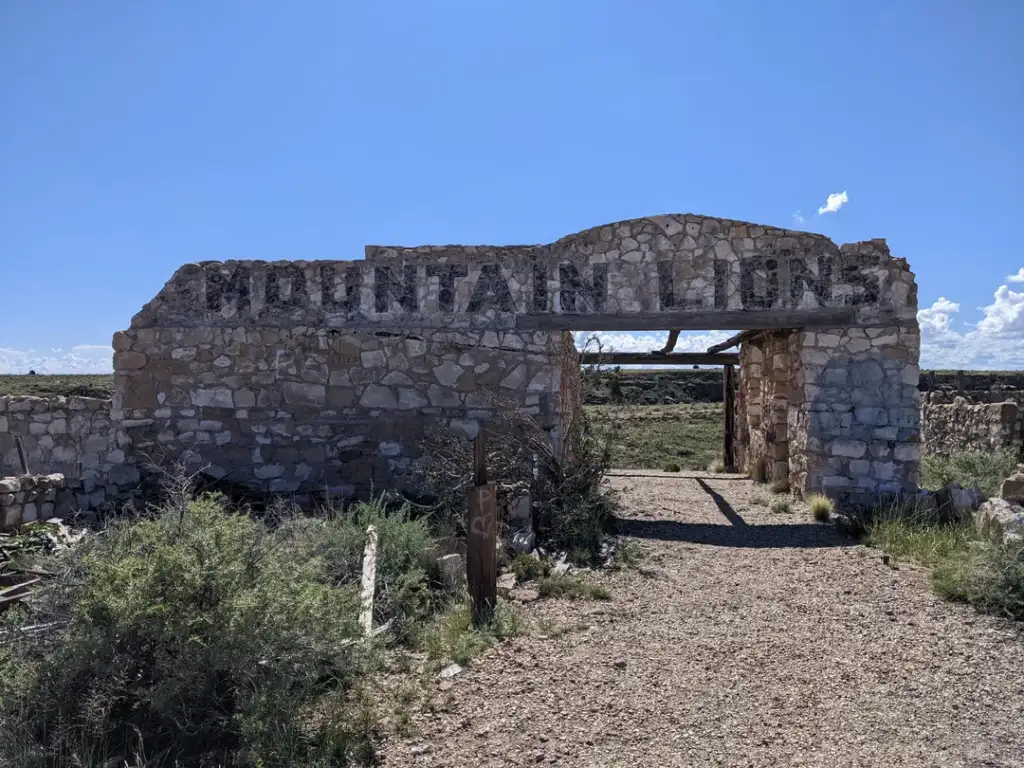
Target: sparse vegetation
{"x": 672, "y": 466}
{"x": 651, "y": 437}
{"x": 821, "y": 507}
{"x": 451, "y": 636}
{"x": 717, "y": 466}
{"x": 970, "y": 469}
{"x": 572, "y": 588}
{"x": 50, "y": 385}
{"x": 780, "y": 506}
{"x": 526, "y": 567}
{"x": 759, "y": 500}
{"x": 966, "y": 567}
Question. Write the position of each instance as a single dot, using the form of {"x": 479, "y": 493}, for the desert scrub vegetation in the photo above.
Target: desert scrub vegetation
{"x": 574, "y": 510}
{"x": 198, "y": 634}
{"x": 571, "y": 588}
{"x": 653, "y": 436}
{"x": 971, "y": 469}
{"x": 451, "y": 635}
{"x": 821, "y": 507}
{"x": 780, "y": 506}
{"x": 966, "y": 566}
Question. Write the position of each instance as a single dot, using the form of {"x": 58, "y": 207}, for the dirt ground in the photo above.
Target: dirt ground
{"x": 746, "y": 638}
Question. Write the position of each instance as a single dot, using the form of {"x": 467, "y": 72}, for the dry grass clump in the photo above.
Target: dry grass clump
{"x": 780, "y": 506}
{"x": 821, "y": 507}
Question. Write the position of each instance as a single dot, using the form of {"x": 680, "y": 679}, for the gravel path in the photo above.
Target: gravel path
{"x": 747, "y": 639}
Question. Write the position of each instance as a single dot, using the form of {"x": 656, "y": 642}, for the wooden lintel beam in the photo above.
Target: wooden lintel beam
{"x": 648, "y": 358}
{"x": 704, "y": 320}
{"x": 735, "y": 341}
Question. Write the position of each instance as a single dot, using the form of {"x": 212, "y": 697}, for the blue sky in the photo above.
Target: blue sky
{"x": 140, "y": 136}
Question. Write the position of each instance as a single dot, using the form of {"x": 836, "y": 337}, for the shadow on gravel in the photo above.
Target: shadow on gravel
{"x": 738, "y": 534}
{"x": 750, "y": 536}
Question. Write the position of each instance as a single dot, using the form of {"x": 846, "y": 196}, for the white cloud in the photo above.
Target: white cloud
{"x": 799, "y": 219}
{"x": 834, "y": 202}
{"x": 1018, "y": 278}
{"x": 81, "y": 358}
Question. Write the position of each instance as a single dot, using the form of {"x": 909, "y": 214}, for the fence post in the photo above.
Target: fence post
{"x": 481, "y": 537}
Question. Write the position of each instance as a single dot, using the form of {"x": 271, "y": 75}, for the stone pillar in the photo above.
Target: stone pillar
{"x": 859, "y": 425}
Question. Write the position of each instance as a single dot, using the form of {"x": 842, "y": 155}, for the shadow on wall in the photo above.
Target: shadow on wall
{"x": 863, "y": 429}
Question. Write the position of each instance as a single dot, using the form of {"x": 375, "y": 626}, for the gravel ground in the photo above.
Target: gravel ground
{"x": 747, "y": 638}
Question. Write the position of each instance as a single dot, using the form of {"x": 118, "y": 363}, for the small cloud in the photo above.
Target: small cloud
{"x": 799, "y": 219}
{"x": 834, "y": 202}
{"x": 1018, "y": 278}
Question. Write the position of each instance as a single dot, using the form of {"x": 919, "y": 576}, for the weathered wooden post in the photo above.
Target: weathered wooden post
{"x": 481, "y": 537}
{"x": 729, "y": 402}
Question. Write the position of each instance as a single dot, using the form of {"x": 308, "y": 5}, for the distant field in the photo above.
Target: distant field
{"x": 88, "y": 385}
{"x": 653, "y": 436}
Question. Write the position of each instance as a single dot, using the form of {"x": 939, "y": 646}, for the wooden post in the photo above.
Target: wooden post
{"x": 21, "y": 455}
{"x": 481, "y": 537}
{"x": 729, "y": 401}
{"x": 369, "y": 582}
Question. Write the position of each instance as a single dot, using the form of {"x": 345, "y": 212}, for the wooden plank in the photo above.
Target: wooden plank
{"x": 481, "y": 554}
{"x": 369, "y": 582}
{"x": 702, "y": 320}
{"x": 729, "y": 400}
{"x": 735, "y": 341}
{"x": 480, "y": 458}
{"x": 653, "y": 358}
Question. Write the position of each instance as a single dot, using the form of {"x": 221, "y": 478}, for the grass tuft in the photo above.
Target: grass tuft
{"x": 779, "y": 486}
{"x": 451, "y": 636}
{"x": 572, "y": 588}
{"x": 821, "y": 506}
{"x": 759, "y": 500}
{"x": 780, "y": 506}
{"x": 716, "y": 467}
{"x": 672, "y": 466}
{"x": 526, "y": 567}
{"x": 970, "y": 469}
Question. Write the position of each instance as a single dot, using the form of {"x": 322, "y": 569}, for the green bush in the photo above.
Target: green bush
{"x": 780, "y": 506}
{"x": 572, "y": 588}
{"x": 198, "y": 636}
{"x": 526, "y": 567}
{"x": 985, "y": 471}
{"x": 451, "y": 636}
{"x": 406, "y": 558}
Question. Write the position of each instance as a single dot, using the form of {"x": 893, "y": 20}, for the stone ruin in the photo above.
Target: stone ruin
{"x": 311, "y": 376}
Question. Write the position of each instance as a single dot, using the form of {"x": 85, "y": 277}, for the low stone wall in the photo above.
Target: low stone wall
{"x": 948, "y": 428}
{"x": 27, "y": 498}
{"x": 73, "y": 436}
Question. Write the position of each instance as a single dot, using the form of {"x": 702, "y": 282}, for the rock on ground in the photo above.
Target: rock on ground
{"x": 748, "y": 639}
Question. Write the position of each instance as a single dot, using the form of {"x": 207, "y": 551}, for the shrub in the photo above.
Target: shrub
{"x": 451, "y": 636}
{"x": 672, "y": 466}
{"x": 780, "y": 506}
{"x": 779, "y": 486}
{"x": 528, "y": 568}
{"x": 197, "y": 635}
{"x": 758, "y": 500}
{"x": 821, "y": 507}
{"x": 406, "y": 557}
{"x": 717, "y": 466}
{"x": 572, "y": 588}
{"x": 985, "y": 471}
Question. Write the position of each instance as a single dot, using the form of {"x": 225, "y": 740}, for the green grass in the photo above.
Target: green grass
{"x": 89, "y": 385}
{"x": 572, "y": 588}
{"x": 658, "y": 436}
{"x": 985, "y": 471}
{"x": 966, "y": 566}
{"x": 451, "y": 636}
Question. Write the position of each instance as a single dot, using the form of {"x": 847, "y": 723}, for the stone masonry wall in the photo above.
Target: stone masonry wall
{"x": 73, "y": 436}
{"x": 966, "y": 426}
{"x": 306, "y": 375}
{"x": 313, "y": 409}
{"x": 28, "y": 498}
{"x": 765, "y": 370}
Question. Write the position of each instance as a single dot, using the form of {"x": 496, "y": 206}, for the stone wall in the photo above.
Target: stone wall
{"x": 28, "y": 498}
{"x": 312, "y": 409}
{"x": 764, "y": 399}
{"x": 962, "y": 425}
{"x": 74, "y": 436}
